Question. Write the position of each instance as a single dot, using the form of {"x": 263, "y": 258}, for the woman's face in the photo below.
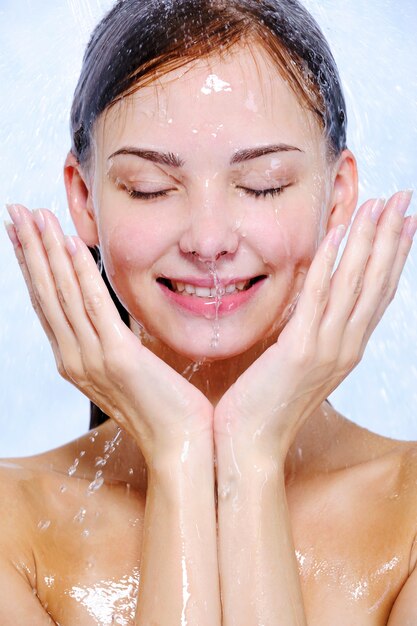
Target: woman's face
{"x": 182, "y": 182}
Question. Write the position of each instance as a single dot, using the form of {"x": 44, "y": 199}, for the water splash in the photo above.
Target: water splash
{"x": 73, "y": 468}
{"x": 96, "y": 483}
{"x": 80, "y": 516}
{"x": 192, "y": 369}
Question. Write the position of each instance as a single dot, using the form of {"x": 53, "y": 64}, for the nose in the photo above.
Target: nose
{"x": 211, "y": 233}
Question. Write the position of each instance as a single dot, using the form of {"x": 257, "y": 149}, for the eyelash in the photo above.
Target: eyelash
{"x": 256, "y": 193}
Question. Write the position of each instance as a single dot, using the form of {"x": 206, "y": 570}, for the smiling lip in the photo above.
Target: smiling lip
{"x": 206, "y": 306}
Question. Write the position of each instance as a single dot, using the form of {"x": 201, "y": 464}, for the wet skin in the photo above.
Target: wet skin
{"x": 353, "y": 506}
{"x": 350, "y": 493}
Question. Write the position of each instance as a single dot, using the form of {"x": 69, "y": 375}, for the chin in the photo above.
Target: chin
{"x": 209, "y": 350}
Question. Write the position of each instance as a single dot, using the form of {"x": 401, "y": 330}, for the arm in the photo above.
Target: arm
{"x": 179, "y": 573}
{"x": 257, "y": 419}
{"x": 259, "y": 575}
{"x": 170, "y": 420}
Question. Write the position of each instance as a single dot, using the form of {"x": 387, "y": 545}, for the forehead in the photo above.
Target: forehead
{"x": 240, "y": 97}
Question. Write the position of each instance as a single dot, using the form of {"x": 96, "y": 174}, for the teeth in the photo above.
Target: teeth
{"x": 206, "y": 292}
{"x": 203, "y": 292}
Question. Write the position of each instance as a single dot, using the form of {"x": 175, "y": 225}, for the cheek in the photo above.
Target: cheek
{"x": 130, "y": 246}
{"x": 286, "y": 243}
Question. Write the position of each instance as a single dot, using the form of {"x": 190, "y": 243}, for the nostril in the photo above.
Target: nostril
{"x": 219, "y": 254}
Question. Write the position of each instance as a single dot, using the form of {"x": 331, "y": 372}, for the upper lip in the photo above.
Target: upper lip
{"x": 209, "y": 282}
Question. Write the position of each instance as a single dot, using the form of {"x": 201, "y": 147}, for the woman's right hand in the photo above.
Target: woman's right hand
{"x": 94, "y": 349}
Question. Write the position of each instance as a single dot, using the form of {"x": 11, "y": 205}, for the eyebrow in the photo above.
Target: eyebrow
{"x": 172, "y": 160}
{"x": 253, "y": 153}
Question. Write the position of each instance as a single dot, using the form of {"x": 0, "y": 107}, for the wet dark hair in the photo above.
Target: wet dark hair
{"x": 141, "y": 40}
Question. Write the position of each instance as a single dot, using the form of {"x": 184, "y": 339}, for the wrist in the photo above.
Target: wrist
{"x": 249, "y": 454}
{"x": 239, "y": 469}
{"x": 186, "y": 459}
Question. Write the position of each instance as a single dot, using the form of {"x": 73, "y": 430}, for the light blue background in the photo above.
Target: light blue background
{"x": 41, "y": 46}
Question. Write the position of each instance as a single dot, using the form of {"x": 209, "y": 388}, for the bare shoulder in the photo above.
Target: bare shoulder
{"x": 16, "y": 491}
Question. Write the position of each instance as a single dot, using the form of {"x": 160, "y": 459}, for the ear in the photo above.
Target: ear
{"x": 80, "y": 201}
{"x": 344, "y": 195}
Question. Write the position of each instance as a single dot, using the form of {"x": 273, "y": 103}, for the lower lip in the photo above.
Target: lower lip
{"x": 206, "y": 307}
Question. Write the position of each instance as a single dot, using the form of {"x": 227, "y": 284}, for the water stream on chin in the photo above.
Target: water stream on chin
{"x": 217, "y": 302}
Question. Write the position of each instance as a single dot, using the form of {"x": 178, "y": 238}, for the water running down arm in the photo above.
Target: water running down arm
{"x": 259, "y": 574}
{"x": 179, "y": 571}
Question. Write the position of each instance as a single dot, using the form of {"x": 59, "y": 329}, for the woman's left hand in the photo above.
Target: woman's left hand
{"x": 327, "y": 334}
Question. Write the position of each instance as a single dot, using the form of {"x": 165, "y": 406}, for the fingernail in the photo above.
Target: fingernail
{"x": 70, "y": 245}
{"x": 10, "y": 229}
{"x": 39, "y": 219}
{"x": 14, "y": 213}
{"x": 412, "y": 227}
{"x": 403, "y": 201}
{"x": 376, "y": 209}
{"x": 338, "y": 235}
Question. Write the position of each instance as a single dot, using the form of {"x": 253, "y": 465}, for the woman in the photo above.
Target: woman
{"x": 209, "y": 167}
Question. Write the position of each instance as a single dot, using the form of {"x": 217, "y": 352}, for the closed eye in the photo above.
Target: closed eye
{"x": 256, "y": 193}
{"x": 263, "y": 193}
{"x": 141, "y": 195}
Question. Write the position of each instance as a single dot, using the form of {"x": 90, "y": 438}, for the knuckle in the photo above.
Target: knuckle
{"x": 92, "y": 367}
{"x": 113, "y": 362}
{"x": 61, "y": 370}
{"x": 25, "y": 243}
{"x": 39, "y": 292}
{"x": 396, "y": 223}
{"x": 383, "y": 283}
{"x": 321, "y": 294}
{"x": 392, "y": 294}
{"x": 73, "y": 371}
{"x": 355, "y": 280}
{"x": 93, "y": 304}
{"x": 64, "y": 294}
{"x": 351, "y": 361}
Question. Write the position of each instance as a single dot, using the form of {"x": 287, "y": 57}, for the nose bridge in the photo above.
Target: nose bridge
{"x": 211, "y": 227}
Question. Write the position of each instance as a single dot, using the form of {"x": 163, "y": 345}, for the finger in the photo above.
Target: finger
{"x": 347, "y": 281}
{"x": 66, "y": 283}
{"x": 377, "y": 277}
{"x": 315, "y": 294}
{"x": 97, "y": 300}
{"x": 42, "y": 284}
{"x": 11, "y": 231}
{"x": 361, "y": 321}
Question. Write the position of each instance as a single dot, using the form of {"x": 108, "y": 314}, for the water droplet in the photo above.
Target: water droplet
{"x": 96, "y": 483}
{"x": 100, "y": 462}
{"x": 224, "y": 492}
{"x": 80, "y": 516}
{"x": 85, "y": 533}
{"x": 44, "y": 524}
{"x": 73, "y": 468}
{"x": 63, "y": 488}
